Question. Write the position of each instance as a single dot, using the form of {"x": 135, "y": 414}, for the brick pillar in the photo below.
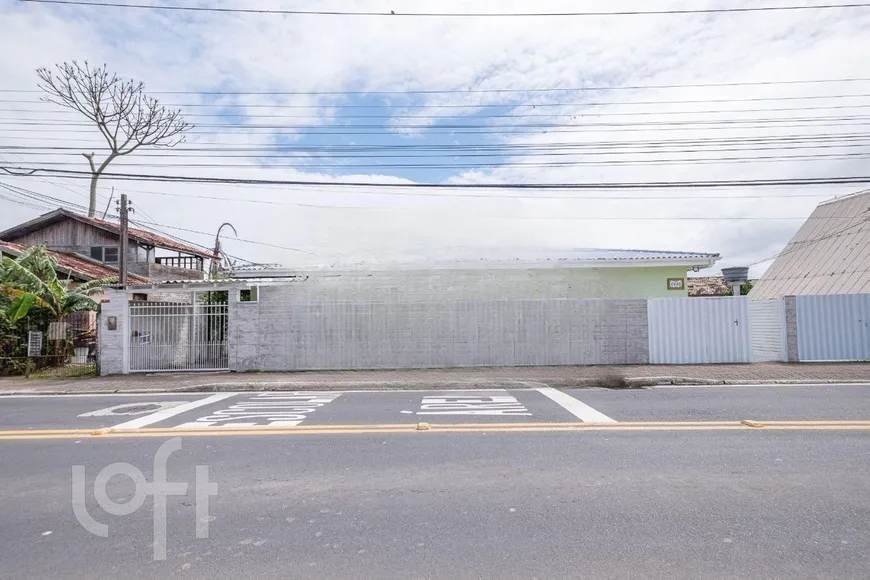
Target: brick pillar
{"x": 791, "y": 328}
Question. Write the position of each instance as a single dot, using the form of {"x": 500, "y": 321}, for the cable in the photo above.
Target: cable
{"x": 504, "y": 164}
{"x": 445, "y": 116}
{"x": 249, "y": 126}
{"x": 823, "y": 139}
{"x": 527, "y": 217}
{"x": 393, "y": 13}
{"x": 315, "y": 131}
{"x": 462, "y": 106}
{"x": 476, "y": 147}
{"x": 836, "y": 234}
{"x": 237, "y": 239}
{"x": 547, "y": 197}
{"x": 492, "y": 154}
{"x": 840, "y": 180}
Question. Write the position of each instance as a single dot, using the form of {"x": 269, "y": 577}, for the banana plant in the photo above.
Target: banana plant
{"x": 30, "y": 280}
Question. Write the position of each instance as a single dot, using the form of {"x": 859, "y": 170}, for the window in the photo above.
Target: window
{"x": 249, "y": 294}
{"x": 108, "y": 254}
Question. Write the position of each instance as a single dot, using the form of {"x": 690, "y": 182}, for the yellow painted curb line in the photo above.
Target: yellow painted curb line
{"x": 861, "y": 425}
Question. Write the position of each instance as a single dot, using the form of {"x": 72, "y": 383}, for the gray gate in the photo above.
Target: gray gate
{"x": 169, "y": 336}
{"x": 833, "y": 327}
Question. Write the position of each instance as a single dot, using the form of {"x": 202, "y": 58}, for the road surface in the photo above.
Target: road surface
{"x": 515, "y": 483}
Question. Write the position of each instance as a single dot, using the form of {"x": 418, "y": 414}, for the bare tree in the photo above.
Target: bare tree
{"x": 125, "y": 116}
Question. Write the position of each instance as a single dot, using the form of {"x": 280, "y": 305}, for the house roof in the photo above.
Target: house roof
{"x": 707, "y": 286}
{"x": 830, "y": 253}
{"x": 142, "y": 236}
{"x": 546, "y": 258}
{"x": 77, "y": 267}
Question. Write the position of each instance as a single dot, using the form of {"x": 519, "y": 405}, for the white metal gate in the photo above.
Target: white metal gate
{"x": 833, "y": 327}
{"x": 767, "y": 330}
{"x": 699, "y": 330}
{"x": 169, "y": 336}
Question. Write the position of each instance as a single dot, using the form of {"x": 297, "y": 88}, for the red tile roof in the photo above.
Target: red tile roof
{"x": 76, "y": 266}
{"x": 146, "y": 237}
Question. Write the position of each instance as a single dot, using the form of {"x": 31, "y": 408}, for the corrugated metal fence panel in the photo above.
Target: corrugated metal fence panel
{"x": 699, "y": 330}
{"x": 833, "y": 327}
{"x": 767, "y": 330}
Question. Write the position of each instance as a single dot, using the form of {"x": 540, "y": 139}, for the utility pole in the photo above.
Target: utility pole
{"x": 122, "y": 253}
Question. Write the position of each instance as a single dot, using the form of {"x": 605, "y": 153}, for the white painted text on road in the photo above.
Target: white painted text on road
{"x": 472, "y": 405}
{"x": 277, "y": 409}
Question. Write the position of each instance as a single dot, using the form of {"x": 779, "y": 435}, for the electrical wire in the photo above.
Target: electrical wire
{"x": 18, "y": 171}
{"x": 394, "y": 14}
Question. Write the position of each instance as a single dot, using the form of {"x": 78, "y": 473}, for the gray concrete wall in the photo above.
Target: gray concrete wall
{"x": 285, "y": 330}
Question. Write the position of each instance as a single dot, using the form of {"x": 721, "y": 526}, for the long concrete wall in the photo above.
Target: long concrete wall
{"x": 285, "y": 332}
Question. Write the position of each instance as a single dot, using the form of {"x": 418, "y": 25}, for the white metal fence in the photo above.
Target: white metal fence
{"x": 767, "y": 330}
{"x": 699, "y": 330}
{"x": 833, "y": 327}
{"x": 176, "y": 337}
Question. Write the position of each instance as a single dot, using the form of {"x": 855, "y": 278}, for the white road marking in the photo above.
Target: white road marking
{"x": 504, "y": 405}
{"x": 133, "y": 408}
{"x": 284, "y": 409}
{"x": 164, "y": 414}
{"x": 577, "y": 408}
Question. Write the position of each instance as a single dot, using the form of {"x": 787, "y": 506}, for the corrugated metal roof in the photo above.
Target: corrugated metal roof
{"x": 540, "y": 258}
{"x": 830, "y": 253}
{"x": 78, "y": 267}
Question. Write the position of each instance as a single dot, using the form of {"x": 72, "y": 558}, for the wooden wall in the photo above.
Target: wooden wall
{"x": 70, "y": 236}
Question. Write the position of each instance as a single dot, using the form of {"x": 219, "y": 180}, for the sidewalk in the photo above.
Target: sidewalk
{"x": 563, "y": 376}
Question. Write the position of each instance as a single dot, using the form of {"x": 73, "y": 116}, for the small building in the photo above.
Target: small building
{"x": 73, "y": 237}
{"x": 579, "y": 273}
{"x": 73, "y": 267}
{"x": 830, "y": 253}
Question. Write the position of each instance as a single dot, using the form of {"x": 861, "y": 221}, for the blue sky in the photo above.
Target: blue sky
{"x": 204, "y": 53}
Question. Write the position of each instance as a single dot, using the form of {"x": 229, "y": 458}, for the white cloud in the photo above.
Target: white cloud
{"x": 179, "y": 51}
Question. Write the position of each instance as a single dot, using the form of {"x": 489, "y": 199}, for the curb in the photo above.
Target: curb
{"x": 405, "y": 385}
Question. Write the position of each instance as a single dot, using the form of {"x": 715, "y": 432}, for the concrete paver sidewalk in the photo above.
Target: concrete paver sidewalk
{"x": 562, "y": 376}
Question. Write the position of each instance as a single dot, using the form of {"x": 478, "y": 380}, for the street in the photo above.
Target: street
{"x": 502, "y": 483}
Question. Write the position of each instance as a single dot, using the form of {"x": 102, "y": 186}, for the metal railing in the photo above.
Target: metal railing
{"x": 178, "y": 337}
{"x": 184, "y": 262}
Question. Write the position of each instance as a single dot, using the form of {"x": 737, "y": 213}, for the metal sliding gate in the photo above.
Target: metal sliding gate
{"x": 171, "y": 336}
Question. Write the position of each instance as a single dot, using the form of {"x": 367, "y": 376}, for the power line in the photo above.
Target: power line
{"x": 821, "y": 138}
{"x": 513, "y": 105}
{"x": 502, "y": 90}
{"x": 793, "y": 247}
{"x": 547, "y": 197}
{"x": 543, "y": 151}
{"x": 247, "y": 126}
{"x": 393, "y": 14}
{"x": 44, "y": 201}
{"x": 445, "y": 116}
{"x": 506, "y": 130}
{"x": 72, "y": 174}
{"x": 468, "y": 165}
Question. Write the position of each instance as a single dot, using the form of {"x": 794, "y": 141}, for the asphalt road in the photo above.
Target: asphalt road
{"x": 665, "y": 483}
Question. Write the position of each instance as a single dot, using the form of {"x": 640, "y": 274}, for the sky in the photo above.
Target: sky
{"x": 453, "y": 101}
